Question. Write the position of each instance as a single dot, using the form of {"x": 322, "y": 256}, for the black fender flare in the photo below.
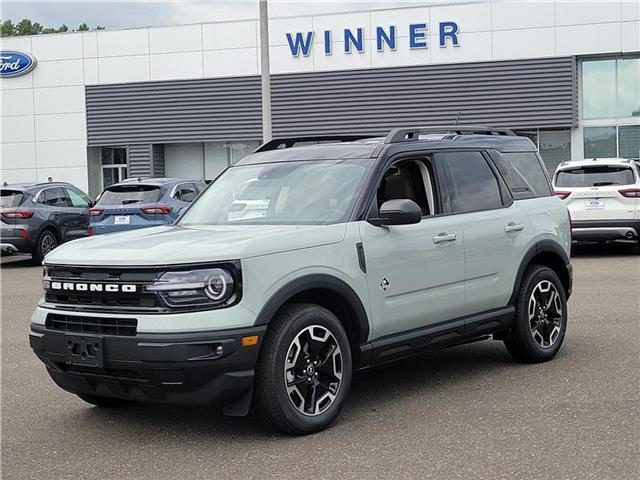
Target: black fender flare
{"x": 318, "y": 281}
{"x": 542, "y": 246}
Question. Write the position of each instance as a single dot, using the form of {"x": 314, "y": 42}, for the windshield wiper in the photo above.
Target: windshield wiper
{"x": 604, "y": 184}
{"x": 127, "y": 202}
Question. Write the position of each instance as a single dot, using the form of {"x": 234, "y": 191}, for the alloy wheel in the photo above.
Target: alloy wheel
{"x": 313, "y": 370}
{"x": 545, "y": 314}
{"x": 47, "y": 244}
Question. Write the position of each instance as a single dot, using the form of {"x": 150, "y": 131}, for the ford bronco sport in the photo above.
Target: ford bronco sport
{"x": 367, "y": 250}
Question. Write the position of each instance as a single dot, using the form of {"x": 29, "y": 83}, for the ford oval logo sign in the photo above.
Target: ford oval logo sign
{"x": 14, "y": 64}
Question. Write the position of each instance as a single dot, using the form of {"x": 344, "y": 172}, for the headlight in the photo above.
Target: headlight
{"x": 206, "y": 287}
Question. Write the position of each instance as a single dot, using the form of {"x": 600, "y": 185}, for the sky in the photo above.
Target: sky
{"x": 141, "y": 13}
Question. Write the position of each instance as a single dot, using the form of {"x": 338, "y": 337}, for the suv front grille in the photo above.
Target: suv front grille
{"x": 98, "y": 301}
{"x": 122, "y": 327}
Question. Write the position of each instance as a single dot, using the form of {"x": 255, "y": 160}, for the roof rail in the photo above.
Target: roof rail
{"x": 289, "y": 142}
{"x": 412, "y": 133}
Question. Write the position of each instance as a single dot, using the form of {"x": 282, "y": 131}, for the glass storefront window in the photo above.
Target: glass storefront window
{"x": 629, "y": 87}
{"x": 242, "y": 149}
{"x": 629, "y": 138}
{"x": 599, "y": 89}
{"x": 555, "y": 148}
{"x": 600, "y": 142}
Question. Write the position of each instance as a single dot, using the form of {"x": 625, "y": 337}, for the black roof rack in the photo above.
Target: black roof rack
{"x": 289, "y": 142}
{"x": 412, "y": 133}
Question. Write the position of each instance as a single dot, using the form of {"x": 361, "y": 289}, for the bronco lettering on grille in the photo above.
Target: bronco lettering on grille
{"x": 94, "y": 287}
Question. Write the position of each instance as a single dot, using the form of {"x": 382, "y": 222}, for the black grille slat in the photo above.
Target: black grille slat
{"x": 121, "y": 327}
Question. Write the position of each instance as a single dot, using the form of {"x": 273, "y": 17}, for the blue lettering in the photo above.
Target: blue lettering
{"x": 327, "y": 42}
{"x": 300, "y": 43}
{"x": 381, "y": 36}
{"x": 357, "y": 42}
{"x": 417, "y": 35}
{"x": 449, "y": 30}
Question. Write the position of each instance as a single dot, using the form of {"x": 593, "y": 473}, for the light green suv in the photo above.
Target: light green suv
{"x": 355, "y": 252}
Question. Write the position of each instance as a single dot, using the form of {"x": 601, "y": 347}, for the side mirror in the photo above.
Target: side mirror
{"x": 398, "y": 212}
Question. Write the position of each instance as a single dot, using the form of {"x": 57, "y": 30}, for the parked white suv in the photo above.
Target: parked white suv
{"x": 603, "y": 198}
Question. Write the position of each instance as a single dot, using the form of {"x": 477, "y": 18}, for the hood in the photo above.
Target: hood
{"x": 172, "y": 244}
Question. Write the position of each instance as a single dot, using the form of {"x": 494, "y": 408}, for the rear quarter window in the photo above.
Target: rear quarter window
{"x": 596, "y": 176}
{"x": 524, "y": 174}
{"x": 127, "y": 194}
{"x": 10, "y": 198}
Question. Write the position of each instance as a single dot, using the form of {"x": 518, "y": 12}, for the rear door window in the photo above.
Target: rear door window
{"x": 10, "y": 198}
{"x": 54, "y": 197}
{"x": 186, "y": 192}
{"x": 474, "y": 186}
{"x": 596, "y": 176}
{"x": 128, "y": 194}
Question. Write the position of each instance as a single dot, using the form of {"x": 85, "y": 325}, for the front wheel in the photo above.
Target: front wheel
{"x": 541, "y": 317}
{"x": 304, "y": 370}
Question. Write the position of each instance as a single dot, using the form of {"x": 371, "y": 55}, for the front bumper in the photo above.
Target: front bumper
{"x": 602, "y": 230}
{"x": 207, "y": 368}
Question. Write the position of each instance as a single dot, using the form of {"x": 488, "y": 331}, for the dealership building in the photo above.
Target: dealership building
{"x": 185, "y": 100}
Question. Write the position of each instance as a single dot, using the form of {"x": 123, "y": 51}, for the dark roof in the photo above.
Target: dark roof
{"x": 372, "y": 148}
{"x": 33, "y": 185}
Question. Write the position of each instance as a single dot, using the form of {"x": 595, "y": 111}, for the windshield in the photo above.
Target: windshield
{"x": 595, "y": 176}
{"x": 10, "y": 198}
{"x": 126, "y": 194}
{"x": 311, "y": 192}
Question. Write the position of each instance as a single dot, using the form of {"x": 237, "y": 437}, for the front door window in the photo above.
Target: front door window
{"x": 114, "y": 165}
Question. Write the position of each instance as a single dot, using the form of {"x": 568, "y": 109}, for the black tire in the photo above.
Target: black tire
{"x": 525, "y": 344}
{"x": 273, "y": 402}
{"x": 104, "y": 402}
{"x": 47, "y": 241}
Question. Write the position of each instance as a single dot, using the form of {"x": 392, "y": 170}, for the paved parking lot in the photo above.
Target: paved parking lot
{"x": 466, "y": 412}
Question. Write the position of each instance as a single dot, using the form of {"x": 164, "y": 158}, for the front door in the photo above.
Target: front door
{"x": 415, "y": 273}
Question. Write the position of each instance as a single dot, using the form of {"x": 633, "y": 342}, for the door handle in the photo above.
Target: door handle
{"x": 444, "y": 237}
{"x": 513, "y": 227}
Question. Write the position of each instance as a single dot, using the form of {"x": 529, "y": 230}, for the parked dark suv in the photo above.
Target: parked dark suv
{"x": 37, "y": 217}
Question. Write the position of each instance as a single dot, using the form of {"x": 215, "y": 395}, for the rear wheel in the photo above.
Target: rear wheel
{"x": 46, "y": 242}
{"x": 304, "y": 370}
{"x": 541, "y": 317}
{"x": 105, "y": 402}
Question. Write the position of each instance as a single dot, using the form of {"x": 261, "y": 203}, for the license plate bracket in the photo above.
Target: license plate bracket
{"x": 594, "y": 204}
{"x": 85, "y": 351}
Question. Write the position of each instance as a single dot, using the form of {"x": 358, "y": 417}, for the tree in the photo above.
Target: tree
{"x": 27, "y": 27}
{"x": 7, "y": 29}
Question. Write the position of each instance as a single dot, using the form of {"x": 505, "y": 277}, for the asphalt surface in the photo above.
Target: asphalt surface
{"x": 465, "y": 412}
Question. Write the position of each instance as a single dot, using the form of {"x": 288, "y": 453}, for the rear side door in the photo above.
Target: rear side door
{"x": 415, "y": 273}
{"x": 495, "y": 228}
{"x": 78, "y": 213}
{"x": 57, "y": 209}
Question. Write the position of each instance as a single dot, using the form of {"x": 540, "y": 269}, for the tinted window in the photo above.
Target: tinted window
{"x": 10, "y": 198}
{"x": 126, "y": 194}
{"x": 594, "y": 176}
{"x": 474, "y": 185}
{"x": 523, "y": 174}
{"x": 77, "y": 198}
{"x": 54, "y": 197}
{"x": 186, "y": 192}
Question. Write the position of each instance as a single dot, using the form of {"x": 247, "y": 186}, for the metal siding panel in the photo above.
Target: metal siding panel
{"x": 158, "y": 160}
{"x": 535, "y": 93}
{"x": 174, "y": 111}
{"x": 139, "y": 160}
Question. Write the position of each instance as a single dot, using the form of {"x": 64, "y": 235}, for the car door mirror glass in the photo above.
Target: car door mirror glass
{"x": 398, "y": 212}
